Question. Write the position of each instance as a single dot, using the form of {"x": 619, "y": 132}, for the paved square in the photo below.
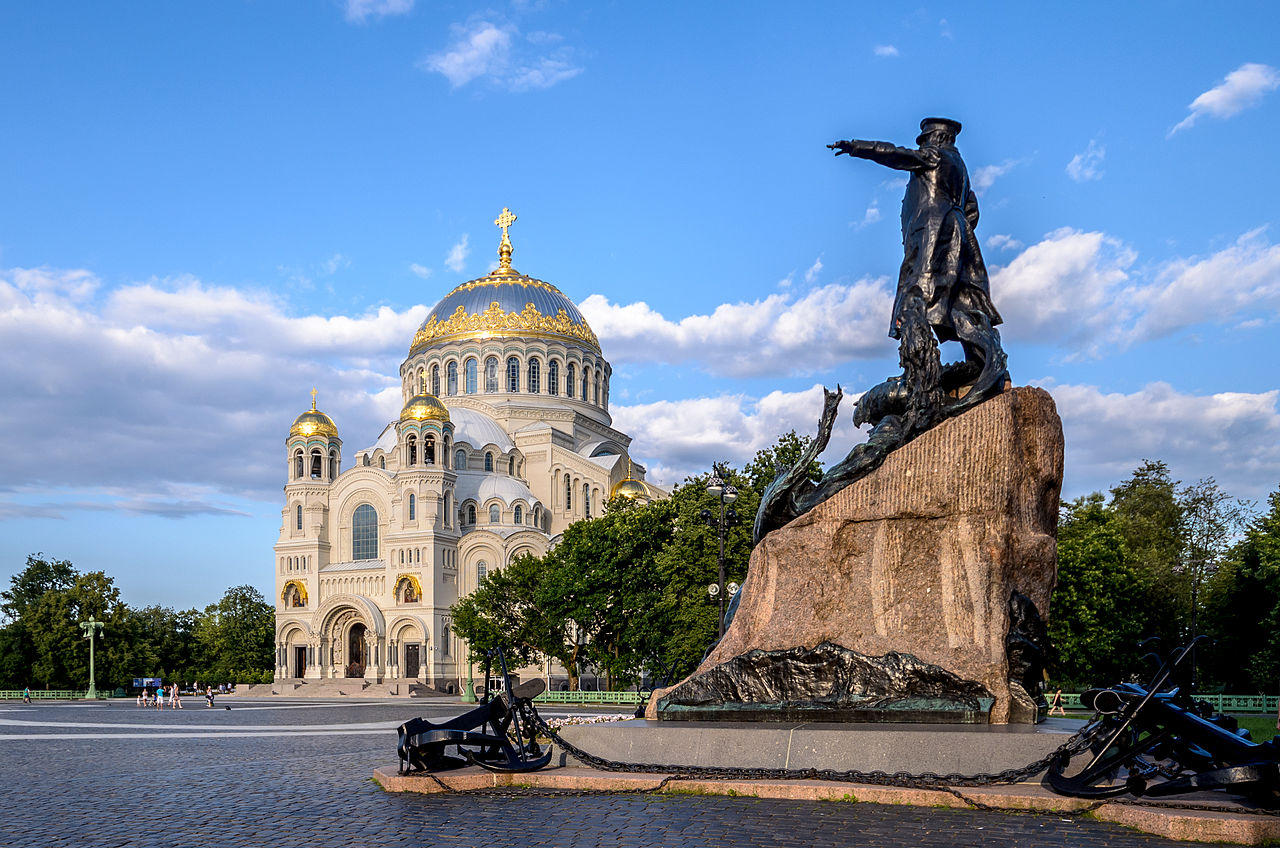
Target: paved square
{"x": 282, "y": 773}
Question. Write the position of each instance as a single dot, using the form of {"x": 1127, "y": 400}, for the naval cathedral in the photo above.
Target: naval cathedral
{"x": 504, "y": 440}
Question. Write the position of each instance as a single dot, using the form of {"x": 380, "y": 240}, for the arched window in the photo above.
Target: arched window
{"x": 535, "y": 377}
{"x": 595, "y": 397}
{"x": 435, "y": 380}
{"x": 413, "y": 504}
{"x": 429, "y": 450}
{"x": 471, "y": 386}
{"x": 297, "y": 464}
{"x": 317, "y": 464}
{"x": 519, "y": 515}
{"x": 382, "y": 463}
{"x": 570, "y": 375}
{"x": 511, "y": 466}
{"x": 495, "y": 514}
{"x": 364, "y": 533}
{"x": 460, "y": 460}
{"x": 333, "y": 465}
{"x": 471, "y": 513}
{"x": 488, "y": 461}
{"x": 452, "y": 372}
{"x": 482, "y": 569}
{"x": 513, "y": 375}
{"x": 491, "y": 374}
{"x": 553, "y": 377}
{"x": 412, "y": 443}
{"x": 422, "y": 381}
{"x": 606, "y": 391}
{"x": 586, "y": 500}
{"x": 568, "y": 492}
{"x": 448, "y": 517}
{"x": 298, "y": 516}
{"x": 586, "y": 383}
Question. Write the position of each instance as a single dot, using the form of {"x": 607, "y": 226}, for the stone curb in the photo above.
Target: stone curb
{"x": 1228, "y": 824}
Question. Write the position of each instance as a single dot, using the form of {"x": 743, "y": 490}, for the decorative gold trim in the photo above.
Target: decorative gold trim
{"x": 417, "y": 586}
{"x": 302, "y": 590}
{"x": 495, "y": 321}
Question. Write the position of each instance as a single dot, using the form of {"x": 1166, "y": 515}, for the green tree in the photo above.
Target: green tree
{"x": 27, "y": 586}
{"x": 235, "y": 638}
{"x": 62, "y": 652}
{"x": 1096, "y": 621}
{"x": 1149, "y": 521}
{"x": 504, "y": 612}
{"x": 771, "y": 461}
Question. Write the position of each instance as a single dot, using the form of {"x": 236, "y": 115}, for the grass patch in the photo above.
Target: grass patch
{"x": 846, "y": 798}
{"x": 1261, "y": 727}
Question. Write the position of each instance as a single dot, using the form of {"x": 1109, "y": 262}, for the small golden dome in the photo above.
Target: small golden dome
{"x": 629, "y": 488}
{"x": 424, "y": 407}
{"x": 313, "y": 422}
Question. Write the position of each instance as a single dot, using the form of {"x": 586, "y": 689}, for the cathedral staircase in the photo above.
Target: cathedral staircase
{"x": 341, "y": 688}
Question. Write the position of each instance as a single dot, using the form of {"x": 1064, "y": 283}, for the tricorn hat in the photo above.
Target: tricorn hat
{"x": 928, "y": 125}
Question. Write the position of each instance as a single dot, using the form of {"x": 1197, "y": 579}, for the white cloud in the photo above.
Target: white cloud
{"x": 1233, "y": 436}
{"x": 1087, "y": 165}
{"x": 983, "y": 178}
{"x": 500, "y": 55}
{"x": 1003, "y": 241}
{"x": 814, "y": 270}
{"x": 335, "y": 263}
{"x": 871, "y": 216}
{"x": 1243, "y": 87}
{"x": 779, "y": 334}
{"x": 1238, "y": 283}
{"x": 457, "y": 258}
{"x": 359, "y": 11}
{"x": 1064, "y": 289}
{"x": 681, "y": 438}
{"x": 420, "y": 270}
{"x": 885, "y": 50}
{"x": 155, "y": 369}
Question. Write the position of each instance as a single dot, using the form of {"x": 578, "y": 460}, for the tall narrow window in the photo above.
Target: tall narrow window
{"x": 488, "y": 461}
{"x": 595, "y": 398}
{"x": 491, "y": 374}
{"x": 364, "y": 533}
{"x": 495, "y": 514}
{"x": 382, "y": 463}
{"x": 586, "y": 381}
{"x": 298, "y": 516}
{"x": 422, "y": 381}
{"x": 333, "y": 465}
{"x": 447, "y": 514}
{"x": 297, "y": 465}
{"x": 511, "y": 466}
{"x": 412, "y": 444}
{"x": 317, "y": 463}
{"x": 460, "y": 460}
{"x": 519, "y": 515}
{"x": 586, "y": 500}
{"x": 472, "y": 377}
{"x": 452, "y": 370}
{"x": 535, "y": 377}
{"x": 568, "y": 493}
{"x": 513, "y": 375}
{"x": 553, "y": 377}
{"x": 435, "y": 380}
{"x": 413, "y": 503}
{"x": 471, "y": 513}
{"x": 429, "y": 450}
{"x": 482, "y": 569}
{"x": 570, "y": 375}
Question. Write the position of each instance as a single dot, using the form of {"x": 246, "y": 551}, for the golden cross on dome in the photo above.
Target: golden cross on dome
{"x": 505, "y": 220}
{"x": 313, "y": 397}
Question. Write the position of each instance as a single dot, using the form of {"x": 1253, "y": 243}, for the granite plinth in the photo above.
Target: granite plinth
{"x": 966, "y": 749}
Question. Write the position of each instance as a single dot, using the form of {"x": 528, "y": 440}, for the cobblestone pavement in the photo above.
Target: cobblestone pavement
{"x": 279, "y": 774}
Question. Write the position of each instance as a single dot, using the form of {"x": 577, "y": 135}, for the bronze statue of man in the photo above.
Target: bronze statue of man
{"x": 941, "y": 255}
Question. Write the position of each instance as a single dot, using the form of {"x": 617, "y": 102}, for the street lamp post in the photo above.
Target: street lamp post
{"x": 91, "y": 628}
{"x": 725, "y": 494}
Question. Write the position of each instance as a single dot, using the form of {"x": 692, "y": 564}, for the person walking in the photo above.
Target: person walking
{"x": 159, "y": 697}
{"x": 1055, "y": 706}
{"x": 26, "y": 694}
{"x": 175, "y": 702}
{"x": 208, "y": 696}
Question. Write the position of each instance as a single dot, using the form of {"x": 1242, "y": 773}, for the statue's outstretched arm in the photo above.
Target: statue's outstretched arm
{"x": 884, "y": 153}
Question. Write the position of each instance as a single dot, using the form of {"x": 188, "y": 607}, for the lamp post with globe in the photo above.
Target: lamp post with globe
{"x": 726, "y": 494}
{"x": 91, "y": 628}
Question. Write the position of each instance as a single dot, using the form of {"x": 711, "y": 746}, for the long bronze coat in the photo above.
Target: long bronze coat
{"x": 940, "y": 251}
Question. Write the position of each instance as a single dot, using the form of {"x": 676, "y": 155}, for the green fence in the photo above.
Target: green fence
{"x": 550, "y": 697}
{"x": 45, "y": 694}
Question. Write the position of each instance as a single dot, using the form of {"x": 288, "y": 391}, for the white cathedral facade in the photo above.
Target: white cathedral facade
{"x": 504, "y": 439}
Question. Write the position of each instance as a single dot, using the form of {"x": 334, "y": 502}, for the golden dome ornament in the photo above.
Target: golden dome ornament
{"x": 424, "y": 407}
{"x": 313, "y": 422}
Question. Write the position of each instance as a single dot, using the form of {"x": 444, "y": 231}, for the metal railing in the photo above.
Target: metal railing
{"x": 45, "y": 694}
{"x": 1221, "y": 703}
{"x": 550, "y": 697}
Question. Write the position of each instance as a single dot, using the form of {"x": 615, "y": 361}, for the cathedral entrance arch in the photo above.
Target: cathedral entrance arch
{"x": 356, "y": 659}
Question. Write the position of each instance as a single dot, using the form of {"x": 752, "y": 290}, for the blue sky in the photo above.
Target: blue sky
{"x": 207, "y": 210}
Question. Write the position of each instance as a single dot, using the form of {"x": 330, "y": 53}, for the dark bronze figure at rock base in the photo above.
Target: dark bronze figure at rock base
{"x": 943, "y": 295}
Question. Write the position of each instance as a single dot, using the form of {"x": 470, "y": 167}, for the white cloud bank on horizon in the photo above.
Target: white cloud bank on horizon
{"x": 1242, "y": 88}
{"x": 483, "y": 50}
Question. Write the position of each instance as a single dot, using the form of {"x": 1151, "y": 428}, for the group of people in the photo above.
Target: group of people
{"x": 147, "y": 698}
